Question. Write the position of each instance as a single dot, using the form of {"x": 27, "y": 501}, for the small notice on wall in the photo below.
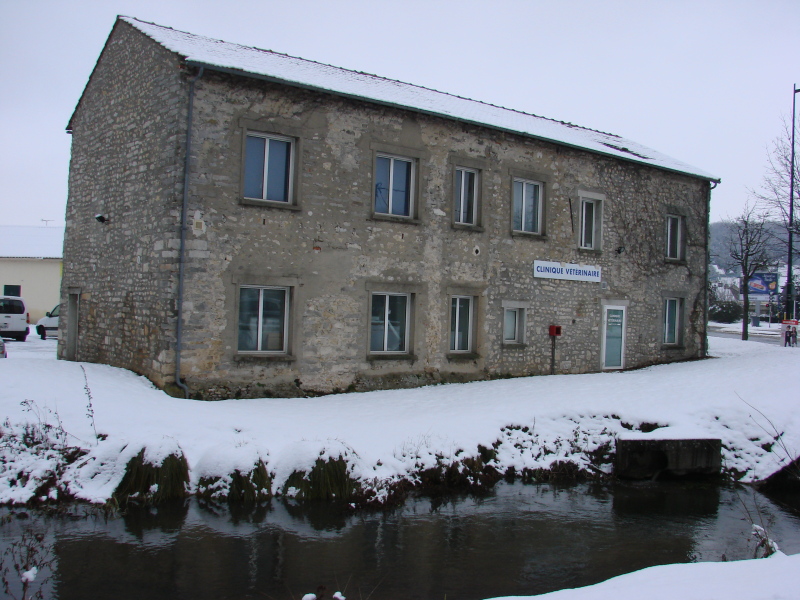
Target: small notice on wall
{"x": 558, "y": 270}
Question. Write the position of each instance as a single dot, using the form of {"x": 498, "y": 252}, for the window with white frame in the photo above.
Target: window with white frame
{"x": 674, "y": 249}
{"x": 527, "y": 206}
{"x": 394, "y": 185}
{"x": 268, "y": 168}
{"x": 672, "y": 320}
{"x": 263, "y": 319}
{"x": 466, "y": 196}
{"x": 461, "y": 316}
{"x": 513, "y": 324}
{"x": 389, "y": 322}
{"x": 590, "y": 224}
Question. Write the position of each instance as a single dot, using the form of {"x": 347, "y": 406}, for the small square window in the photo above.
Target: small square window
{"x": 590, "y": 224}
{"x": 527, "y": 206}
{"x": 674, "y": 249}
{"x": 672, "y": 320}
{"x": 389, "y": 322}
{"x": 461, "y": 317}
{"x": 268, "y": 168}
{"x": 513, "y": 320}
{"x": 263, "y": 319}
{"x": 12, "y": 290}
{"x": 394, "y": 186}
{"x": 466, "y": 196}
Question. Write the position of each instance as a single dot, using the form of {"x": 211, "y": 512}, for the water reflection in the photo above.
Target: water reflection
{"x": 519, "y": 540}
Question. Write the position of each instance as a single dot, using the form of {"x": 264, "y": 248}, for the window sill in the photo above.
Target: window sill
{"x": 667, "y": 347}
{"x": 462, "y": 356}
{"x": 468, "y": 227}
{"x": 675, "y": 261}
{"x": 392, "y": 356}
{"x": 394, "y": 218}
{"x": 263, "y": 357}
{"x": 269, "y": 204}
{"x": 590, "y": 251}
{"x": 514, "y": 345}
{"x": 529, "y": 234}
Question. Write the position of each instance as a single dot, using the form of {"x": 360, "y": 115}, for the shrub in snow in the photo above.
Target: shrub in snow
{"x": 327, "y": 480}
{"x": 239, "y": 486}
{"x": 725, "y": 312}
{"x": 151, "y": 481}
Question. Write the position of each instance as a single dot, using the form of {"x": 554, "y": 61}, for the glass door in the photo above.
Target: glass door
{"x": 613, "y": 337}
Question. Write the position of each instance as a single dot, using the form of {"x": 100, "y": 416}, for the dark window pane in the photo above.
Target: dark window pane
{"x": 459, "y": 198}
{"x": 510, "y": 326}
{"x": 248, "y": 319}
{"x": 401, "y": 192}
{"x": 382, "y": 166}
{"x": 377, "y": 323}
{"x": 518, "y": 190}
{"x": 673, "y": 237}
{"x": 588, "y": 224}
{"x": 396, "y": 326}
{"x": 531, "y": 207}
{"x": 273, "y": 314}
{"x": 459, "y": 324}
{"x": 671, "y": 322}
{"x": 278, "y": 166}
{"x": 254, "y": 167}
{"x": 469, "y": 205}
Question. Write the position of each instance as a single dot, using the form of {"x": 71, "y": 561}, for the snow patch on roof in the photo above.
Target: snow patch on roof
{"x": 31, "y": 242}
{"x": 305, "y": 73}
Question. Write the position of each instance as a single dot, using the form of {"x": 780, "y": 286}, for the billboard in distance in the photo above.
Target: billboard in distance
{"x": 763, "y": 283}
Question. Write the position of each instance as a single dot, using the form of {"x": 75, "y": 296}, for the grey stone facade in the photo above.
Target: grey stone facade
{"x": 330, "y": 251}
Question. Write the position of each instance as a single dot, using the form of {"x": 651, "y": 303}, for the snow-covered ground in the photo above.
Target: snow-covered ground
{"x": 740, "y": 397}
{"x": 770, "y": 329}
{"x": 773, "y": 578}
{"x": 745, "y": 396}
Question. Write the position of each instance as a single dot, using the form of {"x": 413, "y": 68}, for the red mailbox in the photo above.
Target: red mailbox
{"x": 555, "y": 330}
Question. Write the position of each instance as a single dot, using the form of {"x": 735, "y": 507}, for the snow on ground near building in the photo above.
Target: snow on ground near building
{"x": 391, "y": 435}
{"x": 770, "y": 329}
{"x": 771, "y": 578}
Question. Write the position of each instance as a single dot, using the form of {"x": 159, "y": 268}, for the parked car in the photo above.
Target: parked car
{"x": 14, "y": 318}
{"x": 48, "y": 324}
{"x": 3, "y": 351}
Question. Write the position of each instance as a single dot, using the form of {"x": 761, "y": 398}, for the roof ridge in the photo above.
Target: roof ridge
{"x": 389, "y": 79}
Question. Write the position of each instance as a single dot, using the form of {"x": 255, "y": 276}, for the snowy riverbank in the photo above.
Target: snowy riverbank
{"x": 388, "y": 437}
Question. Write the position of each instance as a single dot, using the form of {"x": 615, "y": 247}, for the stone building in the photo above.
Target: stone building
{"x": 330, "y": 230}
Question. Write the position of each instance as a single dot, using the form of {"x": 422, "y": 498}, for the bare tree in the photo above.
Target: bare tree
{"x": 774, "y": 197}
{"x": 749, "y": 244}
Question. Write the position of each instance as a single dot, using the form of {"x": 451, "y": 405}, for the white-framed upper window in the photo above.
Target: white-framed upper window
{"x": 389, "y": 322}
{"x": 263, "y": 319}
{"x": 527, "y": 206}
{"x": 461, "y": 317}
{"x": 394, "y": 185}
{"x": 268, "y": 167}
{"x": 466, "y": 196}
{"x": 590, "y": 219}
{"x": 674, "y": 249}
{"x": 513, "y": 325}
{"x": 672, "y": 320}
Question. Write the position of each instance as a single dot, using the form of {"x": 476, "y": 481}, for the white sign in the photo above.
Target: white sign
{"x": 558, "y": 270}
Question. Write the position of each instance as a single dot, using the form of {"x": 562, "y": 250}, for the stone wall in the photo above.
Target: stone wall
{"x": 333, "y": 250}
{"x": 127, "y": 164}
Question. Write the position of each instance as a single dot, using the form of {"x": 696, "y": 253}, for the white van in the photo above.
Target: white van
{"x": 14, "y": 318}
{"x": 48, "y": 324}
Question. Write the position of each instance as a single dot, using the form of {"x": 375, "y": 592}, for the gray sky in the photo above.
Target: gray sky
{"x": 703, "y": 81}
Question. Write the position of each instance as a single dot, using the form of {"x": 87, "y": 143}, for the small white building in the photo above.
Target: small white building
{"x": 30, "y": 266}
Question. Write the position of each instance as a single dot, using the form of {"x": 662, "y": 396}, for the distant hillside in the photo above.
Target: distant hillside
{"x": 720, "y": 233}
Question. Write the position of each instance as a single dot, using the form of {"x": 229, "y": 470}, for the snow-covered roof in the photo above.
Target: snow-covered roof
{"x": 265, "y": 64}
{"x": 31, "y": 242}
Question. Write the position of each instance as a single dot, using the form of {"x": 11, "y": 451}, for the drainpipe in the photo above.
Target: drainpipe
{"x": 712, "y": 185}
{"x": 182, "y": 253}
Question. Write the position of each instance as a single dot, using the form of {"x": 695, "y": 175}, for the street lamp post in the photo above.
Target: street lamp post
{"x": 790, "y": 307}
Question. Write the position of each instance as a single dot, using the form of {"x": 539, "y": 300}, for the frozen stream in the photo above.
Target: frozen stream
{"x": 520, "y": 540}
